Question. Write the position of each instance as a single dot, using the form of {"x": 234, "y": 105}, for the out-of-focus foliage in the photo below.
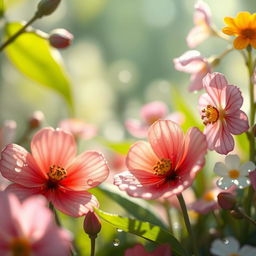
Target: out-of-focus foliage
{"x": 33, "y": 56}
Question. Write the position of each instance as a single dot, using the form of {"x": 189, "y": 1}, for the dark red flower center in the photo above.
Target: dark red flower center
{"x": 20, "y": 247}
{"x": 55, "y": 174}
{"x": 248, "y": 33}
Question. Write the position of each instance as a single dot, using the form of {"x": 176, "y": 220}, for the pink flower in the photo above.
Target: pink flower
{"x": 78, "y": 128}
{"x": 166, "y": 165}
{"x": 29, "y": 228}
{"x": 53, "y": 171}
{"x": 139, "y": 250}
{"x": 221, "y": 114}
{"x": 202, "y": 28}
{"x": 150, "y": 113}
{"x": 192, "y": 62}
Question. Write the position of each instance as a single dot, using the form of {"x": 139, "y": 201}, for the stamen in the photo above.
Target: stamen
{"x": 234, "y": 174}
{"x": 20, "y": 247}
{"x": 210, "y": 115}
{"x": 162, "y": 167}
{"x": 249, "y": 33}
{"x": 57, "y": 173}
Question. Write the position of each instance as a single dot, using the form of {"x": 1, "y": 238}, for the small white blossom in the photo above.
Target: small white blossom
{"x": 233, "y": 173}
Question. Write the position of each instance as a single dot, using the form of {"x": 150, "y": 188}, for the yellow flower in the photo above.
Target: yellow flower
{"x": 244, "y": 27}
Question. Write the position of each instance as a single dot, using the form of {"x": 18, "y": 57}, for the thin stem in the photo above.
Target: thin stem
{"x": 18, "y": 33}
{"x": 248, "y": 218}
{"x": 187, "y": 223}
{"x": 168, "y": 215}
{"x": 55, "y": 214}
{"x": 93, "y": 239}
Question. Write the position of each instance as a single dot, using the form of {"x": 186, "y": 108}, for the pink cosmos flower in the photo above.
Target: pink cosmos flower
{"x": 221, "y": 114}
{"x": 150, "y": 113}
{"x": 192, "y": 62}
{"x": 139, "y": 250}
{"x": 166, "y": 165}
{"x": 202, "y": 28}
{"x": 53, "y": 171}
{"x": 78, "y": 128}
{"x": 29, "y": 228}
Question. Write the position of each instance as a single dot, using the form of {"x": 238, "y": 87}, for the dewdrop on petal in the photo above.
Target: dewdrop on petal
{"x": 60, "y": 38}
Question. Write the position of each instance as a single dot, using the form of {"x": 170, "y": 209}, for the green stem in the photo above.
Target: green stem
{"x": 168, "y": 215}
{"x": 187, "y": 223}
{"x": 18, "y": 33}
{"x": 55, "y": 214}
{"x": 93, "y": 239}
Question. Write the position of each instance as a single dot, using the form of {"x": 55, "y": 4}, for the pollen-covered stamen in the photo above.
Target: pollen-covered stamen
{"x": 234, "y": 174}
{"x": 20, "y": 247}
{"x": 210, "y": 115}
{"x": 57, "y": 173}
{"x": 162, "y": 166}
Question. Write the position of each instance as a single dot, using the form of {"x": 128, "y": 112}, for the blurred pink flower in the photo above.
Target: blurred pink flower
{"x": 78, "y": 128}
{"x": 221, "y": 114}
{"x": 209, "y": 200}
{"x": 53, "y": 171}
{"x": 7, "y": 134}
{"x": 202, "y": 29}
{"x": 150, "y": 113}
{"x": 139, "y": 250}
{"x": 192, "y": 62}
{"x": 166, "y": 165}
{"x": 29, "y": 228}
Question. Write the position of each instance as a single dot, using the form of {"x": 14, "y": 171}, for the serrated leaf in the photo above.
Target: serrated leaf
{"x": 144, "y": 229}
{"x": 143, "y": 211}
{"x": 33, "y": 56}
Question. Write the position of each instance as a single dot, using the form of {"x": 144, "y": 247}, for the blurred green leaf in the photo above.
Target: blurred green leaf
{"x": 143, "y": 229}
{"x": 143, "y": 211}
{"x": 1, "y": 8}
{"x": 121, "y": 148}
{"x": 33, "y": 56}
{"x": 181, "y": 104}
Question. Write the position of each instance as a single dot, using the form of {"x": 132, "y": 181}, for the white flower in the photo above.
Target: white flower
{"x": 232, "y": 173}
{"x": 231, "y": 247}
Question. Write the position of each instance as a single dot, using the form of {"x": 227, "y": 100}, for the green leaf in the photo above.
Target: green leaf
{"x": 33, "y": 56}
{"x": 121, "y": 148}
{"x": 144, "y": 229}
{"x": 143, "y": 209}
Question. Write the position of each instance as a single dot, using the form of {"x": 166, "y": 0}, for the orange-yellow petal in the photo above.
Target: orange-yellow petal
{"x": 229, "y": 31}
{"x": 253, "y": 21}
{"x": 242, "y": 20}
{"x": 230, "y": 22}
{"x": 241, "y": 43}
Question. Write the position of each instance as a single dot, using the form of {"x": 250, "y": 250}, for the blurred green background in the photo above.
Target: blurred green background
{"x": 121, "y": 58}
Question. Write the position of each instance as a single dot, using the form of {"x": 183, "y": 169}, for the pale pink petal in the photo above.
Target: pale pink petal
{"x": 167, "y": 139}
{"x": 17, "y": 165}
{"x": 23, "y": 192}
{"x": 56, "y": 242}
{"x": 190, "y": 62}
{"x": 163, "y": 250}
{"x": 203, "y": 207}
{"x": 196, "y": 80}
{"x": 205, "y": 100}
{"x": 53, "y": 147}
{"x": 88, "y": 170}
{"x": 141, "y": 157}
{"x": 211, "y": 131}
{"x": 237, "y": 122}
{"x": 136, "y": 128}
{"x": 73, "y": 203}
{"x": 234, "y": 99}
{"x": 153, "y": 111}
{"x": 177, "y": 117}
{"x": 197, "y": 35}
{"x": 137, "y": 250}
{"x": 194, "y": 152}
{"x": 214, "y": 83}
{"x": 203, "y": 12}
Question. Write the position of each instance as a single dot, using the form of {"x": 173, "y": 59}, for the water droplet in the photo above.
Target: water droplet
{"x": 116, "y": 242}
{"x": 226, "y": 241}
{"x": 119, "y": 230}
{"x": 90, "y": 182}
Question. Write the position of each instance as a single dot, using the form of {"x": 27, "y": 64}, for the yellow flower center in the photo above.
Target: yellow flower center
{"x": 234, "y": 174}
{"x": 210, "y": 115}
{"x": 209, "y": 196}
{"x": 249, "y": 33}
{"x": 57, "y": 173}
{"x": 20, "y": 247}
{"x": 162, "y": 167}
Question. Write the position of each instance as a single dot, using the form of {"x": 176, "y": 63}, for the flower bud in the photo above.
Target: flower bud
{"x": 226, "y": 201}
{"x": 92, "y": 225}
{"x": 36, "y": 119}
{"x": 46, "y": 7}
{"x": 60, "y": 38}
